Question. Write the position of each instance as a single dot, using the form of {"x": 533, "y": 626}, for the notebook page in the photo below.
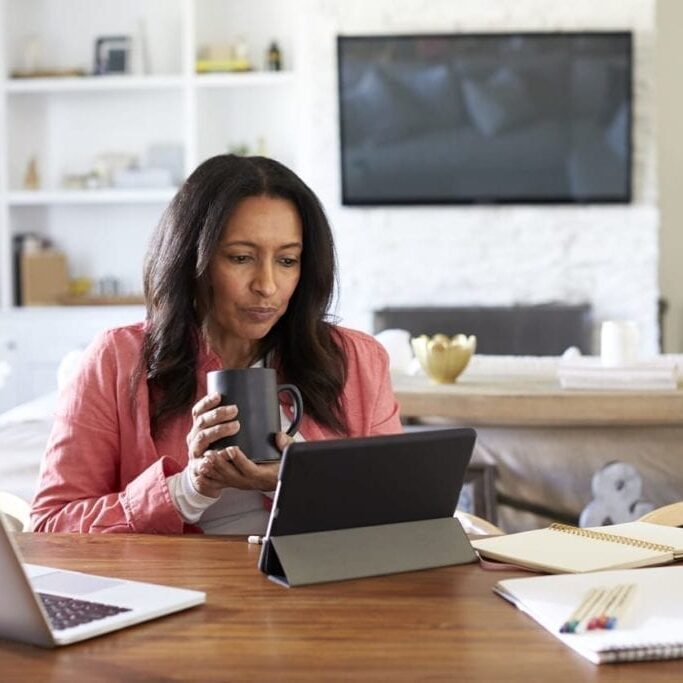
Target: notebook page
{"x": 655, "y": 618}
{"x": 644, "y": 531}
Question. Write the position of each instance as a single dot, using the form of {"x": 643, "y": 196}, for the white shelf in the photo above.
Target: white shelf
{"x": 69, "y": 124}
{"x": 107, "y": 196}
{"x": 92, "y": 84}
{"x": 244, "y": 79}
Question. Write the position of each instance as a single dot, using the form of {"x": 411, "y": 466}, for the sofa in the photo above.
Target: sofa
{"x": 523, "y": 330}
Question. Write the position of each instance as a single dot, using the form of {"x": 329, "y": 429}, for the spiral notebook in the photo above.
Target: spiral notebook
{"x": 560, "y": 548}
{"x": 652, "y": 628}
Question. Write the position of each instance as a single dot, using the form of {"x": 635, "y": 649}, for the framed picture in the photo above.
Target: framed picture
{"x": 478, "y": 494}
{"x": 112, "y": 55}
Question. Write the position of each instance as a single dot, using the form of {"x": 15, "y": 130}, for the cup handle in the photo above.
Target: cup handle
{"x": 298, "y": 406}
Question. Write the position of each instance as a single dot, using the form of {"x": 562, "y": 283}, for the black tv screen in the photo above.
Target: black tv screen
{"x": 485, "y": 118}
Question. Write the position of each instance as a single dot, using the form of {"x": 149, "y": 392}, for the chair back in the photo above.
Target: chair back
{"x": 15, "y": 511}
{"x": 477, "y": 525}
{"x": 668, "y": 515}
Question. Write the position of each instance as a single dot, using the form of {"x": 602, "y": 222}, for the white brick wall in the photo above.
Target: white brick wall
{"x": 606, "y": 255}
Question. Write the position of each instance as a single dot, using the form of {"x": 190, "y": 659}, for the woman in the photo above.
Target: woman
{"x": 239, "y": 272}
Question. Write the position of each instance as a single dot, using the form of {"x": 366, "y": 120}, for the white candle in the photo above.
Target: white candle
{"x": 618, "y": 343}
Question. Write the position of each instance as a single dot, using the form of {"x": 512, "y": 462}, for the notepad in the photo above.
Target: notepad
{"x": 652, "y": 629}
{"x": 560, "y": 548}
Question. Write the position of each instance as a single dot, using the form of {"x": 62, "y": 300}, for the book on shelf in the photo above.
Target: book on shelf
{"x": 40, "y": 273}
{"x": 652, "y": 628}
{"x": 560, "y": 548}
{"x": 17, "y": 249}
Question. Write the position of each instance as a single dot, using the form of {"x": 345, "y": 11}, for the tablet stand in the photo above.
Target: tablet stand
{"x": 300, "y": 559}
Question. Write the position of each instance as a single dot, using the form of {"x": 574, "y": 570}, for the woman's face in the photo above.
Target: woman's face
{"x": 255, "y": 269}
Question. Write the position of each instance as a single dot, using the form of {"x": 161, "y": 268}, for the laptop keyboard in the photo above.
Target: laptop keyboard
{"x": 66, "y": 612}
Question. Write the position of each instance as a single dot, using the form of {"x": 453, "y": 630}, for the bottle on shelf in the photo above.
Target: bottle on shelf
{"x": 241, "y": 50}
{"x": 32, "y": 177}
{"x": 274, "y": 57}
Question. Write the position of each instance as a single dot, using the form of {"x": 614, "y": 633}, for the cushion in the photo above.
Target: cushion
{"x": 394, "y": 101}
{"x": 590, "y": 87}
{"x": 499, "y": 102}
{"x": 616, "y": 135}
{"x": 5, "y": 371}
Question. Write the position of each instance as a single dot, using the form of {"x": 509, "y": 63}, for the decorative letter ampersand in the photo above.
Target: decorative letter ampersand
{"x": 616, "y": 496}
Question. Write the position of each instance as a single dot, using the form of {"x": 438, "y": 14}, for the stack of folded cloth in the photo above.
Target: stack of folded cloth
{"x": 658, "y": 374}
{"x": 513, "y": 367}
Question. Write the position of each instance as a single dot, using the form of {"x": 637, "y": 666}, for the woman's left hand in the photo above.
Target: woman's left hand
{"x": 230, "y": 467}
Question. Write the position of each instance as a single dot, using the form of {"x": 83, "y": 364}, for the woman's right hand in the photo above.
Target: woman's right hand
{"x": 210, "y": 422}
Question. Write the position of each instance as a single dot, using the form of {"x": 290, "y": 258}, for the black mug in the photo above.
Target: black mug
{"x": 255, "y": 393}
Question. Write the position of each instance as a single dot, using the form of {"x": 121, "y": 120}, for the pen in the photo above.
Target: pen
{"x": 256, "y": 540}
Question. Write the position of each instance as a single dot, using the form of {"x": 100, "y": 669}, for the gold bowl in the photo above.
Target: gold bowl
{"x": 443, "y": 358}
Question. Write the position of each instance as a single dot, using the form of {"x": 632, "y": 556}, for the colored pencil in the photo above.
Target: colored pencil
{"x": 601, "y": 608}
{"x": 600, "y": 617}
{"x": 622, "y": 606}
{"x": 592, "y": 598}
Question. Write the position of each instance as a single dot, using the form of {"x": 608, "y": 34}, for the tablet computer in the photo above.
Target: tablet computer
{"x": 370, "y": 487}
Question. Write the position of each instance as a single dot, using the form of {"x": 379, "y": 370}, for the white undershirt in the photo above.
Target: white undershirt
{"x": 234, "y": 512}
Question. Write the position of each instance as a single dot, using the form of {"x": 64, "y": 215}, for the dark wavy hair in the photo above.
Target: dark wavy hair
{"x": 303, "y": 346}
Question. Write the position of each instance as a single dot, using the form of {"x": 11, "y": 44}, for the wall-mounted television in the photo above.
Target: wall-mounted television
{"x": 485, "y": 118}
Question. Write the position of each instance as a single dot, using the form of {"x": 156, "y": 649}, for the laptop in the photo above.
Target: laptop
{"x": 367, "y": 506}
{"x": 50, "y": 607}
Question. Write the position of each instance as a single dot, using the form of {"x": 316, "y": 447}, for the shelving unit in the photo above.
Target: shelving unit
{"x": 66, "y": 122}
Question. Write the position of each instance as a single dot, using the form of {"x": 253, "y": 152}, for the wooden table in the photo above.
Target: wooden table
{"x": 529, "y": 402}
{"x": 440, "y": 624}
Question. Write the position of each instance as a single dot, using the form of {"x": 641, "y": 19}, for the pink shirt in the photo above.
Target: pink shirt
{"x": 103, "y": 471}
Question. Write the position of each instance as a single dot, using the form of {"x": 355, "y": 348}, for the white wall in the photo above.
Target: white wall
{"x": 606, "y": 255}
{"x": 670, "y": 156}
